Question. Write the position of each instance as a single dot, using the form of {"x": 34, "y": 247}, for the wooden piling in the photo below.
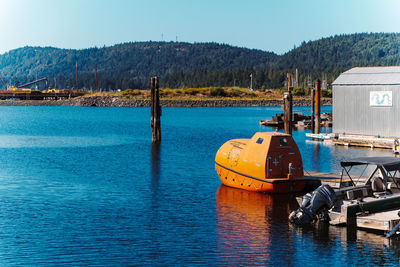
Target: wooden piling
{"x": 95, "y": 76}
{"x": 76, "y": 73}
{"x": 317, "y": 106}
{"x": 288, "y": 107}
{"x": 155, "y": 110}
{"x": 313, "y": 110}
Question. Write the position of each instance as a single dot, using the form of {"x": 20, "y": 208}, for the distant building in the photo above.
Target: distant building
{"x": 366, "y": 101}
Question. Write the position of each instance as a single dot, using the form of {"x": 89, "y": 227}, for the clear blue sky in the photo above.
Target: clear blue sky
{"x": 267, "y": 25}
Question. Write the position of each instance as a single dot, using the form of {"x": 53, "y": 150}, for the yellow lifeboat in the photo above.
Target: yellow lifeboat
{"x": 268, "y": 162}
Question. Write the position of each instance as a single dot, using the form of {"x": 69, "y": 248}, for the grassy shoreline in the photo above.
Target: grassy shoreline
{"x": 210, "y": 94}
{"x": 188, "y": 97}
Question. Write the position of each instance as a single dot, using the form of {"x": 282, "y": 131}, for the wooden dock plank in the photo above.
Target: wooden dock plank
{"x": 321, "y": 175}
{"x": 331, "y": 179}
{"x": 384, "y": 221}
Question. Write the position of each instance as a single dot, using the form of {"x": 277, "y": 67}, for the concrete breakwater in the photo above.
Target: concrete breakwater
{"x": 107, "y": 101}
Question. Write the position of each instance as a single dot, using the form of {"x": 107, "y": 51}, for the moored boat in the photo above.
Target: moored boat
{"x": 375, "y": 191}
{"x": 268, "y": 162}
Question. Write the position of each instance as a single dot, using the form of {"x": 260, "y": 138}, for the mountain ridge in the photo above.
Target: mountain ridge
{"x": 180, "y": 64}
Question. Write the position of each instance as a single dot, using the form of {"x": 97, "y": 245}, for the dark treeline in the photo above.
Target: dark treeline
{"x": 131, "y": 65}
{"x": 262, "y": 78}
{"x": 126, "y": 65}
{"x": 335, "y": 54}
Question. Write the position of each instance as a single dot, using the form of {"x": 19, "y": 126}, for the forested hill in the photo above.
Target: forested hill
{"x": 336, "y": 54}
{"x": 130, "y": 65}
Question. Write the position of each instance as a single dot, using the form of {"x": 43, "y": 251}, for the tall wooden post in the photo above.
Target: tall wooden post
{"x": 95, "y": 76}
{"x": 288, "y": 106}
{"x": 313, "y": 110}
{"x": 317, "y": 106}
{"x": 76, "y": 71}
{"x": 155, "y": 110}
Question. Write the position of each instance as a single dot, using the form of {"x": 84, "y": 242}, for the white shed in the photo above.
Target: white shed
{"x": 366, "y": 101}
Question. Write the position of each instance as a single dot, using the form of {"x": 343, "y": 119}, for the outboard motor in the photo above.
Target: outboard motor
{"x": 323, "y": 196}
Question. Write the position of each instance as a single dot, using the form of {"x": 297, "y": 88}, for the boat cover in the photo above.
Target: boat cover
{"x": 389, "y": 163}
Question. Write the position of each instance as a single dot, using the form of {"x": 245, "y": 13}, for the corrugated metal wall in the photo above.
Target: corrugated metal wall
{"x": 352, "y": 113}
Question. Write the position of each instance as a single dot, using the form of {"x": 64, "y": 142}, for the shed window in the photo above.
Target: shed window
{"x": 260, "y": 140}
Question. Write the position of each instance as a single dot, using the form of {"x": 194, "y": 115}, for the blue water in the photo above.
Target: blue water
{"x": 85, "y": 186}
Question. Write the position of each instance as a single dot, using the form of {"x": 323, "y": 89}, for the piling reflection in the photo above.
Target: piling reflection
{"x": 249, "y": 225}
{"x": 154, "y": 203}
{"x": 155, "y": 164}
{"x": 316, "y": 157}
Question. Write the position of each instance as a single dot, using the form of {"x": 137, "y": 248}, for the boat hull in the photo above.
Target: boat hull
{"x": 279, "y": 185}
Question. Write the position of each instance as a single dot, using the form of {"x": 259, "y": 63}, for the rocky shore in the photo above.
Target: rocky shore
{"x": 101, "y": 101}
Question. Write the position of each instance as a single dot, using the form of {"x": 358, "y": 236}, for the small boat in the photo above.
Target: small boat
{"x": 268, "y": 162}
{"x": 375, "y": 191}
{"x": 396, "y": 146}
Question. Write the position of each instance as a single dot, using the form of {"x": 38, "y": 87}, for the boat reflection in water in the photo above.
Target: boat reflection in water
{"x": 250, "y": 226}
{"x": 357, "y": 246}
{"x": 253, "y": 228}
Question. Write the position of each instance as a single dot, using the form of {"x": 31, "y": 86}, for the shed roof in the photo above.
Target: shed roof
{"x": 370, "y": 76}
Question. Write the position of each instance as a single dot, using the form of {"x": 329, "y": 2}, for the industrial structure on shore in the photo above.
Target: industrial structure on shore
{"x": 23, "y": 92}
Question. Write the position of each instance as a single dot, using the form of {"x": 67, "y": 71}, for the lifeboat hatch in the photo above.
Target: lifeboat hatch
{"x": 275, "y": 165}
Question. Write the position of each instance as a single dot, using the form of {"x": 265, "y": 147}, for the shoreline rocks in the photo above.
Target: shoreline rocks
{"x": 108, "y": 101}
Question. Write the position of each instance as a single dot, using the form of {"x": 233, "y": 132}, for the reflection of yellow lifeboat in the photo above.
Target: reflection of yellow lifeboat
{"x": 244, "y": 207}
{"x": 243, "y": 221}
{"x": 246, "y": 226}
{"x": 268, "y": 162}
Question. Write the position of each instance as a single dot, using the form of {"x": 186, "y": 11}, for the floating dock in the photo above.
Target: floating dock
{"x": 299, "y": 120}
{"x": 333, "y": 180}
{"x": 355, "y": 140}
{"x": 381, "y": 221}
